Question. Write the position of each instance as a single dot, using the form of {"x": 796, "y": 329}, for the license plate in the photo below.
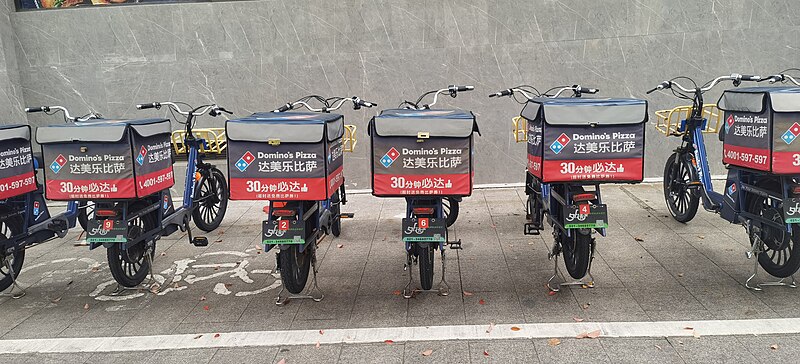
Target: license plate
{"x": 791, "y": 210}
{"x": 586, "y": 216}
{"x": 283, "y": 232}
{"x": 106, "y": 231}
{"x": 424, "y": 229}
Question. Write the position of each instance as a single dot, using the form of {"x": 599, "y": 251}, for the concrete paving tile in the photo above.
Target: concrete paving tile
{"x": 711, "y": 349}
{"x": 37, "y": 358}
{"x": 244, "y": 355}
{"x": 503, "y": 351}
{"x": 571, "y": 351}
{"x": 497, "y": 307}
{"x": 609, "y": 304}
{"x": 308, "y": 354}
{"x": 787, "y": 347}
{"x": 442, "y": 352}
{"x": 373, "y": 353}
{"x": 539, "y": 306}
{"x": 188, "y": 356}
{"x": 119, "y": 357}
{"x": 385, "y": 310}
{"x": 640, "y": 350}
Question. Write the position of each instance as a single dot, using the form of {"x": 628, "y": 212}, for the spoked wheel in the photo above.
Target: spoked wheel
{"x": 211, "y": 201}
{"x": 130, "y": 267}
{"x": 425, "y": 258}
{"x": 450, "y": 207}
{"x": 295, "y": 267}
{"x": 682, "y": 201}
{"x": 577, "y": 252}
{"x": 336, "y": 209}
{"x": 779, "y": 257}
{"x": 85, "y": 213}
{"x": 9, "y": 227}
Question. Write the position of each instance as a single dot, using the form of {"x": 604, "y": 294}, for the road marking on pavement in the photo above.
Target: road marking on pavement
{"x": 402, "y": 334}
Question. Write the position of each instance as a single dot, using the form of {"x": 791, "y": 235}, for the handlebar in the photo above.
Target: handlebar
{"x": 783, "y": 77}
{"x": 530, "y": 92}
{"x": 329, "y": 104}
{"x": 49, "y": 110}
{"x": 735, "y": 77}
{"x": 451, "y": 90}
{"x": 212, "y": 110}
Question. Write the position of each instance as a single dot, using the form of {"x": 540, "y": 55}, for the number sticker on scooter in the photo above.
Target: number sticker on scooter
{"x": 424, "y": 230}
{"x": 106, "y": 231}
{"x": 586, "y": 216}
{"x": 791, "y": 211}
{"x": 283, "y": 232}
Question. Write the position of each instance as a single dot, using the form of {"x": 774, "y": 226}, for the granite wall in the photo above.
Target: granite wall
{"x": 254, "y": 55}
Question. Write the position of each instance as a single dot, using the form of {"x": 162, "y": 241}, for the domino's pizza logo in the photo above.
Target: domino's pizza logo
{"x": 142, "y": 154}
{"x": 731, "y": 189}
{"x": 390, "y": 157}
{"x": 166, "y": 202}
{"x": 729, "y": 123}
{"x": 790, "y": 135}
{"x": 58, "y": 163}
{"x": 560, "y": 143}
{"x": 245, "y": 161}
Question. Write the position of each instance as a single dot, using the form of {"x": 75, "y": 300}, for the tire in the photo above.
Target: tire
{"x": 9, "y": 227}
{"x": 577, "y": 252}
{"x": 85, "y": 212}
{"x": 211, "y": 201}
{"x": 130, "y": 267}
{"x": 779, "y": 258}
{"x": 295, "y": 267}
{"x": 336, "y": 209}
{"x": 450, "y": 207}
{"x": 682, "y": 202}
{"x": 425, "y": 258}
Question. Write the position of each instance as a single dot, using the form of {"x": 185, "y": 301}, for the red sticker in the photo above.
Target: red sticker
{"x": 584, "y": 209}
{"x": 424, "y": 223}
{"x": 108, "y": 224}
{"x": 283, "y": 225}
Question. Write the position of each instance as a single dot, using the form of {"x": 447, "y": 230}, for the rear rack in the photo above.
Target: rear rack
{"x": 349, "y": 141}
{"x": 520, "y": 129}
{"x": 216, "y": 141}
{"x": 671, "y": 122}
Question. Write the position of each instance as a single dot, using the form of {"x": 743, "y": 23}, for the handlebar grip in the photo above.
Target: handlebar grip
{"x": 506, "y": 92}
{"x": 751, "y": 78}
{"x": 284, "y": 107}
{"x": 151, "y": 105}
{"x": 222, "y": 109}
{"x": 36, "y": 109}
{"x": 366, "y": 103}
{"x": 464, "y": 88}
{"x": 587, "y": 90}
{"x": 654, "y": 89}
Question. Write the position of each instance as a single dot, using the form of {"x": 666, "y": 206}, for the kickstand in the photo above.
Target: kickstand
{"x": 14, "y": 284}
{"x": 313, "y": 292}
{"x": 148, "y": 286}
{"x": 753, "y": 253}
{"x": 444, "y": 288}
{"x": 409, "y": 292}
{"x": 583, "y": 282}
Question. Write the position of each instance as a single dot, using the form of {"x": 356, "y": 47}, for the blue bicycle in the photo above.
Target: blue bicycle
{"x": 762, "y": 183}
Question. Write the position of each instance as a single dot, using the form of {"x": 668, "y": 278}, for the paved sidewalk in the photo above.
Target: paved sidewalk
{"x": 649, "y": 268}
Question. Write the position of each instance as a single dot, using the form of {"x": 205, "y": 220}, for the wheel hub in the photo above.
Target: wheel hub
{"x": 774, "y": 238}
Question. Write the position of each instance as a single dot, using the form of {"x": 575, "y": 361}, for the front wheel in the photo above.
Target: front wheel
{"x": 85, "y": 213}
{"x": 10, "y": 226}
{"x": 211, "y": 201}
{"x": 336, "y": 210}
{"x": 130, "y": 267}
{"x": 295, "y": 267}
{"x": 682, "y": 200}
{"x": 425, "y": 258}
{"x": 778, "y": 257}
{"x": 577, "y": 252}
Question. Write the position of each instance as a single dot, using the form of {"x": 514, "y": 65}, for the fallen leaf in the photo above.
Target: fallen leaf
{"x": 577, "y": 319}
{"x": 638, "y": 239}
{"x": 554, "y": 342}
{"x": 216, "y": 268}
{"x": 282, "y": 361}
{"x": 696, "y": 334}
{"x": 198, "y": 336}
{"x": 86, "y": 306}
{"x": 82, "y": 243}
{"x": 586, "y": 306}
{"x": 218, "y": 241}
{"x": 701, "y": 236}
{"x": 339, "y": 246}
{"x": 658, "y": 347}
{"x": 467, "y": 293}
{"x": 206, "y": 308}
{"x": 154, "y": 288}
{"x": 427, "y": 352}
{"x": 551, "y": 293}
{"x": 688, "y": 328}
{"x": 481, "y": 302}
{"x": 774, "y": 346}
{"x": 321, "y": 332}
{"x": 680, "y": 274}
{"x": 317, "y": 346}
{"x": 258, "y": 252}
{"x": 228, "y": 285}
{"x": 258, "y": 247}
{"x": 216, "y": 336}
{"x": 202, "y": 298}
{"x": 389, "y": 342}
{"x": 96, "y": 268}
{"x": 594, "y": 334}
{"x": 56, "y": 300}
{"x": 397, "y": 293}
{"x": 582, "y": 335}
{"x": 163, "y": 254}
{"x": 176, "y": 285}
{"x": 514, "y": 328}
{"x": 491, "y": 327}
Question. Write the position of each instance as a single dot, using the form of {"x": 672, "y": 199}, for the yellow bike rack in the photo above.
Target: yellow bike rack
{"x": 520, "y": 129}
{"x": 349, "y": 142}
{"x": 215, "y": 138}
{"x": 668, "y": 122}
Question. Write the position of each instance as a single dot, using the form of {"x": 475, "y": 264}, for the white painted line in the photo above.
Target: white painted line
{"x": 402, "y": 334}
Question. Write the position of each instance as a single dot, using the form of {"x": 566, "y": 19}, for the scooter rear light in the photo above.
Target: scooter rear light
{"x": 105, "y": 212}
{"x": 423, "y": 210}
{"x": 584, "y": 197}
{"x": 796, "y": 190}
{"x": 283, "y": 213}
{"x": 278, "y": 205}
